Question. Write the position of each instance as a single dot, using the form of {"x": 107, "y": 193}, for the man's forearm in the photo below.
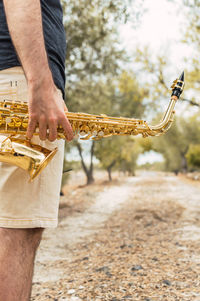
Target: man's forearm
{"x": 46, "y": 106}
{"x": 25, "y": 27}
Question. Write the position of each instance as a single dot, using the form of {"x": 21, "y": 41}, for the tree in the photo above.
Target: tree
{"x": 175, "y": 144}
{"x": 91, "y": 32}
{"x": 119, "y": 153}
{"x": 193, "y": 156}
{"x": 130, "y": 96}
{"x": 87, "y": 170}
{"x": 130, "y": 152}
{"x": 108, "y": 152}
{"x": 94, "y": 55}
{"x": 192, "y": 37}
{"x": 127, "y": 100}
{"x": 191, "y": 9}
{"x": 155, "y": 70}
{"x": 98, "y": 100}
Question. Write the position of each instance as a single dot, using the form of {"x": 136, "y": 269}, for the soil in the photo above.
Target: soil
{"x": 137, "y": 238}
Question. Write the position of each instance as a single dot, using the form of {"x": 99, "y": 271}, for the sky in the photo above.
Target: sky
{"x": 160, "y": 28}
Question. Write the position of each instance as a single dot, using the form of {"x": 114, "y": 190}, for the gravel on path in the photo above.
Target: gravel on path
{"x": 138, "y": 241}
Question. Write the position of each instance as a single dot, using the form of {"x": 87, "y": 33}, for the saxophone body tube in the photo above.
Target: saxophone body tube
{"x": 33, "y": 158}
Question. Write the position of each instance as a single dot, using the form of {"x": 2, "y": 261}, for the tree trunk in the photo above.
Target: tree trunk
{"x": 88, "y": 171}
{"x": 90, "y": 178}
{"x": 109, "y": 168}
{"x": 109, "y": 174}
{"x": 184, "y": 165}
{"x": 131, "y": 173}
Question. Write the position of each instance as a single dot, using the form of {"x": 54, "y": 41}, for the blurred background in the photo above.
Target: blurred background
{"x": 122, "y": 58}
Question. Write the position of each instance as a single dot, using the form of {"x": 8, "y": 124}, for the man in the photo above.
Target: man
{"x": 32, "y": 66}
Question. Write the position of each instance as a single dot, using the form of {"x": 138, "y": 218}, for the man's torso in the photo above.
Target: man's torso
{"x": 55, "y": 41}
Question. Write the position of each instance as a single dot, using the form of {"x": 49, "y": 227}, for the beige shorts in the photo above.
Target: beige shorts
{"x": 24, "y": 204}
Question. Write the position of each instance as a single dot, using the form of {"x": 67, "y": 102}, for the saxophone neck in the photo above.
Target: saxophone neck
{"x": 177, "y": 88}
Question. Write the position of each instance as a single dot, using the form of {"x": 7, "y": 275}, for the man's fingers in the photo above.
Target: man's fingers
{"x": 31, "y": 128}
{"x": 68, "y": 132}
{"x": 52, "y": 126}
{"x": 48, "y": 122}
{"x": 52, "y": 130}
{"x": 65, "y": 107}
{"x": 42, "y": 128}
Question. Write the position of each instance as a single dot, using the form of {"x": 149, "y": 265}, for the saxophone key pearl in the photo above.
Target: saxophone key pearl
{"x": 82, "y": 133}
{"x": 8, "y": 120}
{"x": 94, "y": 133}
{"x": 101, "y": 134}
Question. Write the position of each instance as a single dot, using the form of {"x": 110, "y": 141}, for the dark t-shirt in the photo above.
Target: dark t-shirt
{"x": 55, "y": 41}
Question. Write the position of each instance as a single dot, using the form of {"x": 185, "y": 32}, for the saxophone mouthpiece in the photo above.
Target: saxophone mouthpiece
{"x": 178, "y": 86}
{"x": 181, "y": 78}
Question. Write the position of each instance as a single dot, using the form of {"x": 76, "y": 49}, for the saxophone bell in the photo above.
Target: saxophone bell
{"x": 24, "y": 154}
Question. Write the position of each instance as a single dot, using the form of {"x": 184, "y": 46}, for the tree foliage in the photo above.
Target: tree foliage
{"x": 119, "y": 153}
{"x": 192, "y": 37}
{"x": 130, "y": 96}
{"x": 193, "y": 156}
{"x": 95, "y": 59}
{"x": 156, "y": 66}
{"x": 94, "y": 53}
{"x": 127, "y": 100}
{"x": 93, "y": 45}
{"x": 175, "y": 144}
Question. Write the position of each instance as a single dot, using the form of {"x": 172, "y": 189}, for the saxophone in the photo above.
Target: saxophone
{"x": 17, "y": 150}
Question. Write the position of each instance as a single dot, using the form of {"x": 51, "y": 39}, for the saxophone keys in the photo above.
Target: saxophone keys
{"x": 87, "y": 137}
{"x": 100, "y": 133}
{"x": 94, "y": 133}
{"x": 24, "y": 123}
{"x": 17, "y": 122}
{"x": 82, "y": 133}
{"x": 85, "y": 128}
{"x": 8, "y": 120}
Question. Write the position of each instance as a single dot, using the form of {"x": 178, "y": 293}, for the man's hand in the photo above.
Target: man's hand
{"x": 46, "y": 106}
{"x": 47, "y": 110}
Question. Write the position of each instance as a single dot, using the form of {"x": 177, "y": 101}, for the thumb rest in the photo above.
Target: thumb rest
{"x": 15, "y": 149}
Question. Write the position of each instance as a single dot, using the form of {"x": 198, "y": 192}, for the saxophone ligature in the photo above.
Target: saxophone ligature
{"x": 15, "y": 149}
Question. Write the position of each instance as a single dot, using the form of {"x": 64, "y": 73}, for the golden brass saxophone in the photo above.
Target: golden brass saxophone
{"x": 17, "y": 150}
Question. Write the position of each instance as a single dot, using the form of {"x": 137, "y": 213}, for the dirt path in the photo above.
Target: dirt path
{"x": 136, "y": 241}
{"x": 74, "y": 229}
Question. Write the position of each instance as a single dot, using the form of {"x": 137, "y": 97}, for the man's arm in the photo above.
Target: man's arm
{"x": 46, "y": 106}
